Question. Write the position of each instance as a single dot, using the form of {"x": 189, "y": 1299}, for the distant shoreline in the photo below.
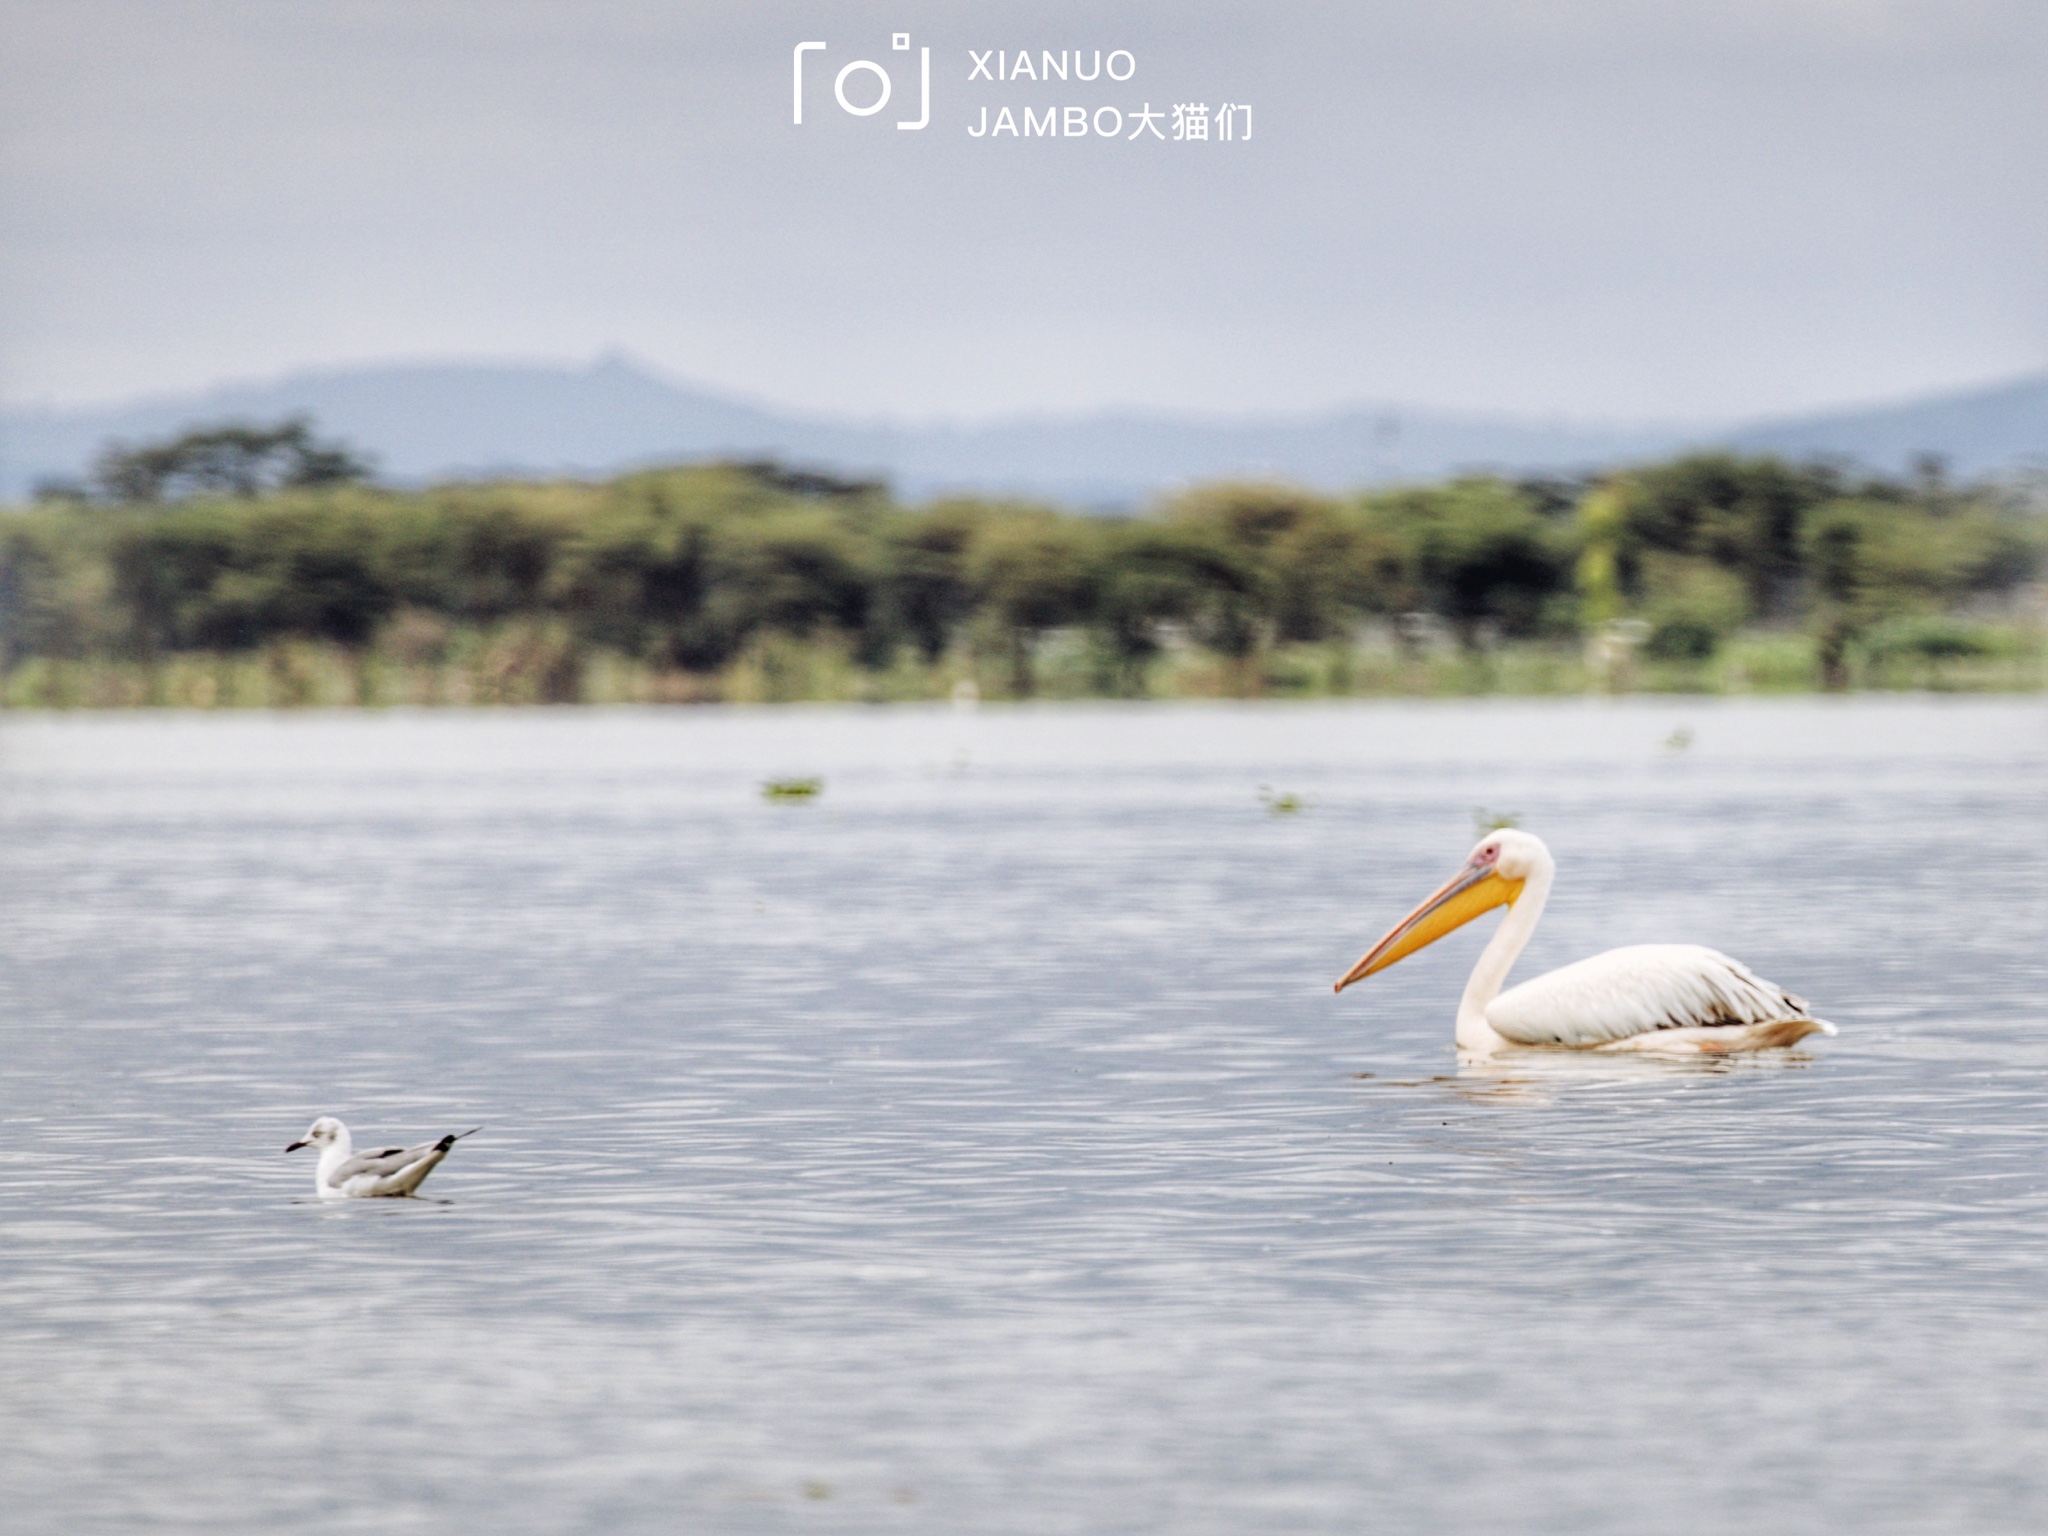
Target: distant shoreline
{"x": 526, "y": 665}
{"x": 248, "y": 567}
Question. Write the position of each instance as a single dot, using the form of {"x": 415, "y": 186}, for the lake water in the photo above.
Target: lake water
{"x": 979, "y": 1147}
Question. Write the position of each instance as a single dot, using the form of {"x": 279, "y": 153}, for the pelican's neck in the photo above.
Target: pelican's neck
{"x": 1508, "y": 941}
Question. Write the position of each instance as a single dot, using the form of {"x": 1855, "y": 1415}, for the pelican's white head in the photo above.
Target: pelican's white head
{"x": 326, "y": 1132}
{"x": 1505, "y": 860}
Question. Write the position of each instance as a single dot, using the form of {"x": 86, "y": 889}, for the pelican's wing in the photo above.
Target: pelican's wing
{"x": 381, "y": 1164}
{"x": 1634, "y": 991}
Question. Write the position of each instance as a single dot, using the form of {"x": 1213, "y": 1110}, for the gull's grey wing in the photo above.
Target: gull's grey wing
{"x": 381, "y": 1164}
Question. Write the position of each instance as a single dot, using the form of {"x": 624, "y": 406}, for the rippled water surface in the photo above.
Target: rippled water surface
{"x": 979, "y": 1148}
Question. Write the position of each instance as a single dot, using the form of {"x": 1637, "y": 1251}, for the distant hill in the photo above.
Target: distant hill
{"x": 433, "y": 421}
{"x": 1979, "y": 431}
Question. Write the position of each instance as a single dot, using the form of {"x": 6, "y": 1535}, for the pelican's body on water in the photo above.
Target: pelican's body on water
{"x": 1664, "y": 997}
{"x": 345, "y": 1173}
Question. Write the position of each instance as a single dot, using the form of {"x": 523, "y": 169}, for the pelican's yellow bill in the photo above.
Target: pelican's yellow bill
{"x": 1469, "y": 893}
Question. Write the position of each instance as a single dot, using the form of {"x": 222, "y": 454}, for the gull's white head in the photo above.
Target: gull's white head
{"x": 325, "y": 1132}
{"x": 1504, "y": 861}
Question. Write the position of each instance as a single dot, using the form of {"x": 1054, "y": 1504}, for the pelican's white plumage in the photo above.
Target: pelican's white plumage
{"x": 345, "y": 1173}
{"x": 1646, "y": 989}
{"x": 1644, "y": 997}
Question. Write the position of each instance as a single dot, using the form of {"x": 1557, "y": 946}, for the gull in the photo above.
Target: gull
{"x": 345, "y": 1172}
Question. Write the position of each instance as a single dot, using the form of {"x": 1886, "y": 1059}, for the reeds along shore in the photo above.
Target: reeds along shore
{"x": 750, "y": 583}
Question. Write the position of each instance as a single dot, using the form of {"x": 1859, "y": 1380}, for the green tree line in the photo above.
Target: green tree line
{"x": 685, "y": 570}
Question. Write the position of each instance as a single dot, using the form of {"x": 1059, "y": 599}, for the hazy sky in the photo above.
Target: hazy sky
{"x": 1612, "y": 208}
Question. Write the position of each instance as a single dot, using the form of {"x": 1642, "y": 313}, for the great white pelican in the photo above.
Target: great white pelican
{"x": 1656, "y": 997}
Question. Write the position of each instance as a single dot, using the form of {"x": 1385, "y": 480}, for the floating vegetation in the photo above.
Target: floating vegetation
{"x": 1485, "y": 821}
{"x": 1679, "y": 739}
{"x": 1281, "y": 803}
{"x": 792, "y": 789}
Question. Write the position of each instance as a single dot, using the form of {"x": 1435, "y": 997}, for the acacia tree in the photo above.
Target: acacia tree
{"x": 1029, "y": 571}
{"x": 1835, "y": 551}
{"x": 1147, "y": 575}
{"x": 925, "y": 594}
{"x": 1743, "y": 514}
{"x": 1471, "y": 552}
{"x": 236, "y": 459}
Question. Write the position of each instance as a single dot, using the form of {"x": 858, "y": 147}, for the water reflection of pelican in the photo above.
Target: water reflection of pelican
{"x": 1540, "y": 1076}
{"x": 1537, "y": 1076}
{"x": 1657, "y": 997}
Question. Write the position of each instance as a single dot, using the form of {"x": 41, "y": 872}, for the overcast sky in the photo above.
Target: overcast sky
{"x": 1631, "y": 209}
